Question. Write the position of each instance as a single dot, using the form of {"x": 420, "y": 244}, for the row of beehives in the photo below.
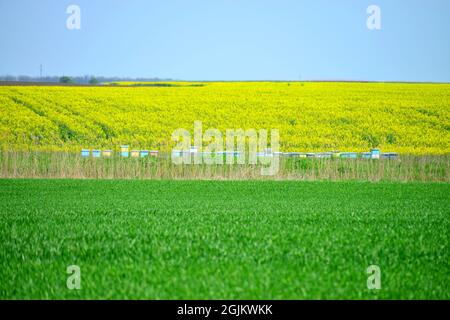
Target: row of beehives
{"x": 124, "y": 152}
{"x": 373, "y": 154}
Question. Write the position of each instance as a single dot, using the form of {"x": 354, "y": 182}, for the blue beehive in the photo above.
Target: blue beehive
{"x": 389, "y": 155}
{"x": 366, "y": 155}
{"x": 375, "y": 153}
{"x": 85, "y": 153}
{"x": 326, "y": 155}
{"x": 143, "y": 153}
{"x": 96, "y": 153}
{"x": 349, "y": 155}
{"x": 393, "y": 155}
{"x": 124, "y": 151}
{"x": 177, "y": 153}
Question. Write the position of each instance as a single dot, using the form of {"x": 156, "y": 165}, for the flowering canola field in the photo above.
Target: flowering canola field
{"x": 405, "y": 118}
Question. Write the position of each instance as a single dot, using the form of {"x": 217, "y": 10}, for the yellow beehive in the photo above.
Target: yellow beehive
{"x": 107, "y": 153}
{"x": 135, "y": 153}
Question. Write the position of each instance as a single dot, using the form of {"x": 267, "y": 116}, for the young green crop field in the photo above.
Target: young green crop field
{"x": 223, "y": 240}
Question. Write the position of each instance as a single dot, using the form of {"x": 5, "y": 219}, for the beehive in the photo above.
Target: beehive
{"x": 107, "y": 153}
{"x": 134, "y": 153}
{"x": 375, "y": 153}
{"x": 85, "y": 152}
{"x": 326, "y": 155}
{"x": 349, "y": 155}
{"x": 193, "y": 149}
{"x": 124, "y": 150}
{"x": 143, "y": 153}
{"x": 389, "y": 155}
{"x": 176, "y": 153}
{"x": 335, "y": 154}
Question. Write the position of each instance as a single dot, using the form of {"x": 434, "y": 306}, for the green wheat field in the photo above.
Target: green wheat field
{"x": 161, "y": 239}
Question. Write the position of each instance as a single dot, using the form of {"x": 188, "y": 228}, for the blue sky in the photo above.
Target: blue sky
{"x": 229, "y": 39}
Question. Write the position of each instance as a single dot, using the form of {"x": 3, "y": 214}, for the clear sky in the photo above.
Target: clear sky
{"x": 228, "y": 39}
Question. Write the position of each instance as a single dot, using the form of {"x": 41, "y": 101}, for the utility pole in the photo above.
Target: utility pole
{"x": 40, "y": 71}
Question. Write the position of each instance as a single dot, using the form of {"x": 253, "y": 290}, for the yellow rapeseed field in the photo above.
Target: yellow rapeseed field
{"x": 404, "y": 118}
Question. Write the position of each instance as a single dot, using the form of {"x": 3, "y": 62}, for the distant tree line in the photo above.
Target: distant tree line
{"x": 87, "y": 79}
